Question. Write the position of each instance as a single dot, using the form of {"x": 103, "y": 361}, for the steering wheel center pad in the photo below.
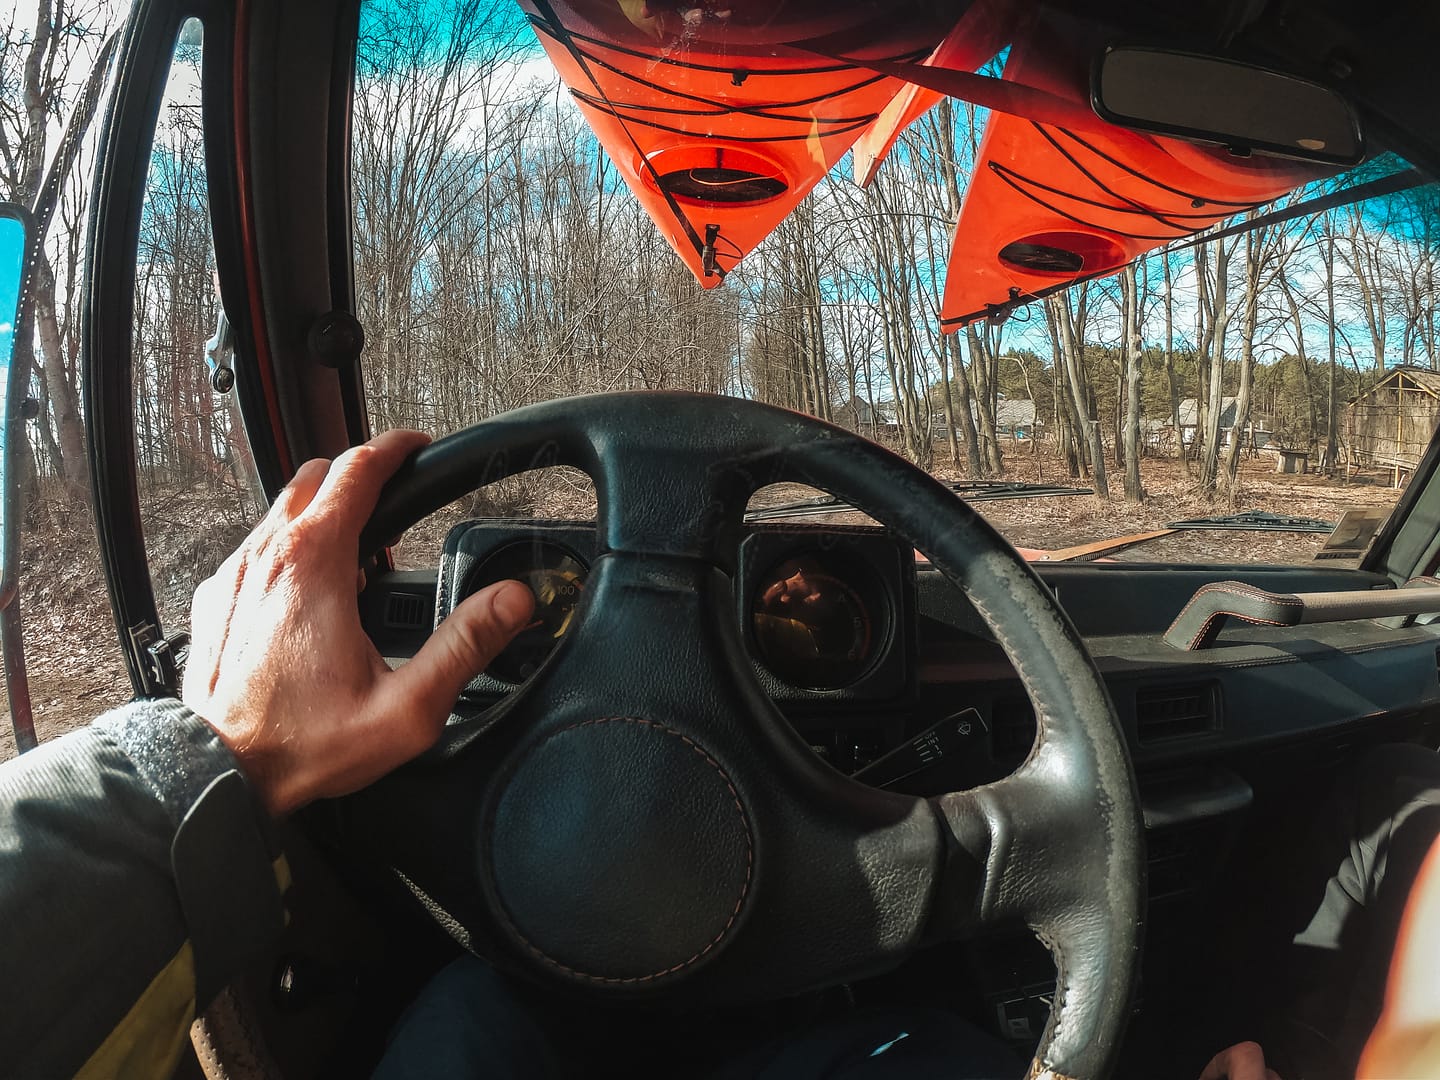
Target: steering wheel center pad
{"x": 547, "y": 867}
{"x": 602, "y": 812}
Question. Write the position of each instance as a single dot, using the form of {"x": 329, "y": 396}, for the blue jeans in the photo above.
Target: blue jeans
{"x": 470, "y": 1021}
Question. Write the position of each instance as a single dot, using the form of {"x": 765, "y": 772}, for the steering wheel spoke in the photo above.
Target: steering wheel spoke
{"x": 1018, "y": 852}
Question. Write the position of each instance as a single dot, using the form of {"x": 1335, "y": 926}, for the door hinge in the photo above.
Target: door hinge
{"x": 160, "y": 660}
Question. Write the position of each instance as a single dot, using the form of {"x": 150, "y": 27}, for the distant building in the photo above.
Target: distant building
{"x": 1391, "y": 424}
{"x": 1257, "y": 435}
{"x": 859, "y": 415}
{"x": 1158, "y": 435}
{"x": 1017, "y": 418}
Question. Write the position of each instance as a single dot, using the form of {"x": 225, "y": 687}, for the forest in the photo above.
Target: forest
{"x": 498, "y": 260}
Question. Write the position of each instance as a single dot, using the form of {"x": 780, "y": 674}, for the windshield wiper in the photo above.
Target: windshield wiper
{"x": 969, "y": 490}
{"x": 1257, "y": 521}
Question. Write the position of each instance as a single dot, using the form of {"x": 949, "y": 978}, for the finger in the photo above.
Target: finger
{"x": 300, "y": 491}
{"x": 289, "y": 504}
{"x": 461, "y": 647}
{"x": 352, "y": 486}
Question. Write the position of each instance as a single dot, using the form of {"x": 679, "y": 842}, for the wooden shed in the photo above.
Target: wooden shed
{"x": 1390, "y": 425}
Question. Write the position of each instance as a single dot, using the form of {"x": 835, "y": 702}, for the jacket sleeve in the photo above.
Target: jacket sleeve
{"x": 137, "y": 876}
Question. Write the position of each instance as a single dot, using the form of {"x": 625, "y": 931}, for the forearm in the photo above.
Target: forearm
{"x": 135, "y": 878}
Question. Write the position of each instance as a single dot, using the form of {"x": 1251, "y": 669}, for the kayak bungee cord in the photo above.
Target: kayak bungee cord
{"x": 1015, "y": 177}
{"x": 855, "y": 124}
{"x": 1226, "y": 209}
{"x": 562, "y": 35}
{"x": 738, "y": 76}
{"x": 1019, "y": 183}
{"x": 1189, "y": 223}
{"x": 1146, "y": 177}
{"x": 714, "y": 107}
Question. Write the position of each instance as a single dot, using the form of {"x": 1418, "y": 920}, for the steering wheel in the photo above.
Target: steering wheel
{"x": 639, "y": 820}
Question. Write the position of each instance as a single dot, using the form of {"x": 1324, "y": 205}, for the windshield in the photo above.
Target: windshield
{"x": 564, "y": 199}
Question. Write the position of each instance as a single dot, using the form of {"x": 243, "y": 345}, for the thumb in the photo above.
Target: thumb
{"x": 463, "y": 645}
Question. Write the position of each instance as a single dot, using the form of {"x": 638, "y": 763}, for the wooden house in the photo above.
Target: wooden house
{"x": 1017, "y": 418}
{"x": 1390, "y": 425}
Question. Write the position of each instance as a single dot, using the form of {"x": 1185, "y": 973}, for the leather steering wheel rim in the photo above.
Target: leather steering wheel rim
{"x": 751, "y": 870}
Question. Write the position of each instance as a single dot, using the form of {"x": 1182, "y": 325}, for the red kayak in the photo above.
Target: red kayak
{"x": 720, "y": 118}
{"x": 1048, "y": 205}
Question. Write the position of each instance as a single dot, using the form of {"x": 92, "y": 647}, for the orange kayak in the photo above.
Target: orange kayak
{"x": 722, "y": 123}
{"x": 980, "y": 34}
{"x": 1047, "y": 205}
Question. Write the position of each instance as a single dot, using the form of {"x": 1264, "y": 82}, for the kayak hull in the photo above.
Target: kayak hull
{"x": 1048, "y": 206}
{"x": 721, "y": 136}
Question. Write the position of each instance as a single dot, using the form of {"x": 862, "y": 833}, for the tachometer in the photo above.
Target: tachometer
{"x": 557, "y": 578}
{"x": 814, "y": 624}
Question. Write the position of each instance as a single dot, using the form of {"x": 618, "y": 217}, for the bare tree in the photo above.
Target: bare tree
{"x": 1132, "y": 347}
{"x": 54, "y": 74}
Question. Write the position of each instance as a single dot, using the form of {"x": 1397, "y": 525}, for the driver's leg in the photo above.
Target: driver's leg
{"x": 1378, "y": 830}
{"x": 900, "y": 1043}
{"x": 469, "y": 1021}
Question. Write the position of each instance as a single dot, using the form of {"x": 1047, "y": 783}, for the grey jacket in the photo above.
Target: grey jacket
{"x": 137, "y": 876}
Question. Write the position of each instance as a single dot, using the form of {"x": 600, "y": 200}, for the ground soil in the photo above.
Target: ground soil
{"x": 73, "y": 661}
{"x": 75, "y": 666}
{"x": 1171, "y": 494}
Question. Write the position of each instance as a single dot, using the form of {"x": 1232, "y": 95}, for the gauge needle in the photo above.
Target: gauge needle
{"x": 533, "y": 625}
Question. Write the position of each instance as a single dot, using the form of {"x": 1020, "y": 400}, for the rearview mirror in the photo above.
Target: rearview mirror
{"x": 1214, "y": 100}
{"x": 16, "y": 231}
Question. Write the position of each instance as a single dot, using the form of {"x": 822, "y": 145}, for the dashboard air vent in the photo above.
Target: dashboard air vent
{"x": 1173, "y": 712}
{"x": 407, "y": 611}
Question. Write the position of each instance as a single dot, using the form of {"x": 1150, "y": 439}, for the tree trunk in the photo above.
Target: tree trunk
{"x": 1180, "y": 448}
{"x": 963, "y": 409}
{"x": 72, "y": 467}
{"x": 1248, "y": 320}
{"x": 1332, "y": 435}
{"x": 1131, "y": 348}
{"x": 984, "y": 401}
{"x": 1072, "y": 350}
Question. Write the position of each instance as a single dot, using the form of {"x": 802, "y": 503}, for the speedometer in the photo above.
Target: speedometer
{"x": 556, "y": 576}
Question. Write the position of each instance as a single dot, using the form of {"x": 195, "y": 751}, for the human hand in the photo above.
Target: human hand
{"x": 1243, "y": 1061}
{"x": 792, "y": 590}
{"x": 1406, "y": 1040}
{"x": 280, "y": 666}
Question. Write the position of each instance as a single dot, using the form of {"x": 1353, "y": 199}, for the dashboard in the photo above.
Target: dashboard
{"x": 890, "y": 674}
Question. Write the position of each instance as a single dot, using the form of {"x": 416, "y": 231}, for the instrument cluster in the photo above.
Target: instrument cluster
{"x": 825, "y": 612}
